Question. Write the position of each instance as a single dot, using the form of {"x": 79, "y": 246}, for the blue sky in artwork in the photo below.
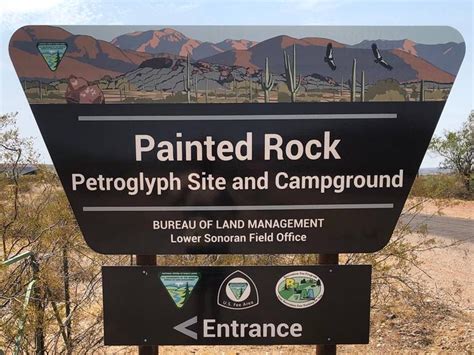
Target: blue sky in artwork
{"x": 159, "y": 13}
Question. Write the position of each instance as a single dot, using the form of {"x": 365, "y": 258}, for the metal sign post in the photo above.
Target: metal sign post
{"x": 327, "y": 259}
{"x": 147, "y": 260}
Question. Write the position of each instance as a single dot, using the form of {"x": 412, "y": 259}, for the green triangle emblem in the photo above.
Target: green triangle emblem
{"x": 238, "y": 288}
{"x": 179, "y": 285}
{"x": 52, "y": 53}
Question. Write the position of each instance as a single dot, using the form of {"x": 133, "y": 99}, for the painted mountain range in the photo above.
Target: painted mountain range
{"x": 171, "y": 41}
{"x": 311, "y": 51}
{"x": 94, "y": 58}
{"x": 446, "y": 56}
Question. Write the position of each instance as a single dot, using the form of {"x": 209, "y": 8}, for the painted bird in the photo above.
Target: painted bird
{"x": 379, "y": 59}
{"x": 329, "y": 58}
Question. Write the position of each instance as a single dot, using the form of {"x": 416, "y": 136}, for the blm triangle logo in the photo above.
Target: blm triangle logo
{"x": 179, "y": 285}
{"x": 52, "y": 53}
{"x": 238, "y": 289}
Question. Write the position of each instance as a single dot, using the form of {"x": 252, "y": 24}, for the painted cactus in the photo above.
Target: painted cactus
{"x": 250, "y": 90}
{"x": 196, "y": 89}
{"x": 353, "y": 81}
{"x": 292, "y": 80}
{"x": 342, "y": 86}
{"x": 236, "y": 90}
{"x": 267, "y": 81}
{"x": 187, "y": 79}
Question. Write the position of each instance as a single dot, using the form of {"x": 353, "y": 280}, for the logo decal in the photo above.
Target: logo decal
{"x": 179, "y": 285}
{"x": 52, "y": 53}
{"x": 299, "y": 289}
{"x": 237, "y": 291}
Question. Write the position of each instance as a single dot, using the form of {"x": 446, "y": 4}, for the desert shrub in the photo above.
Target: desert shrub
{"x": 104, "y": 84}
{"x": 34, "y": 86}
{"x": 456, "y": 150}
{"x": 436, "y": 95}
{"x": 283, "y": 97}
{"x": 137, "y": 100}
{"x": 53, "y": 95}
{"x": 415, "y": 92}
{"x": 440, "y": 186}
{"x": 386, "y": 90}
{"x": 62, "y": 86}
{"x": 283, "y": 93}
{"x": 35, "y": 216}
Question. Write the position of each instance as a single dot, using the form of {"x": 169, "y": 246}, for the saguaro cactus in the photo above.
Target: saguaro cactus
{"x": 422, "y": 90}
{"x": 187, "y": 79}
{"x": 292, "y": 80}
{"x": 207, "y": 90}
{"x": 126, "y": 88}
{"x": 196, "y": 89}
{"x": 362, "y": 86}
{"x": 267, "y": 81}
{"x": 236, "y": 90}
{"x": 342, "y": 85}
{"x": 250, "y": 90}
{"x": 353, "y": 83}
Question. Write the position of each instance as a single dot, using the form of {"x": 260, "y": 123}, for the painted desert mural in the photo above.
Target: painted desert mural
{"x": 166, "y": 66}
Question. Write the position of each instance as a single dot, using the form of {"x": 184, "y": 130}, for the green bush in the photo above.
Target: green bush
{"x": 386, "y": 90}
{"x": 440, "y": 186}
{"x": 283, "y": 97}
{"x": 436, "y": 95}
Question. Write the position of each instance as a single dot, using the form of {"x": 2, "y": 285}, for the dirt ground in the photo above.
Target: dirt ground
{"x": 439, "y": 327}
{"x": 451, "y": 208}
{"x": 451, "y": 268}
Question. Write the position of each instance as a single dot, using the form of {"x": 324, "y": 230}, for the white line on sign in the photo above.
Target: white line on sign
{"x": 183, "y": 327}
{"x": 316, "y": 116}
{"x": 341, "y": 206}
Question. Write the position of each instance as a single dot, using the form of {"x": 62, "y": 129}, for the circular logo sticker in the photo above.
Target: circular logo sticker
{"x": 299, "y": 289}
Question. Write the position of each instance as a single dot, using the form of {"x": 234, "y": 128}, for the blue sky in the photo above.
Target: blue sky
{"x": 455, "y": 13}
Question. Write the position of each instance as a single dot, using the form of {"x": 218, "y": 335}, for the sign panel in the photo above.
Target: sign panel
{"x": 265, "y": 202}
{"x": 236, "y": 306}
{"x": 263, "y": 149}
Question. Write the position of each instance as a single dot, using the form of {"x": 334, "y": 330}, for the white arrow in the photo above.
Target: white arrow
{"x": 183, "y": 327}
